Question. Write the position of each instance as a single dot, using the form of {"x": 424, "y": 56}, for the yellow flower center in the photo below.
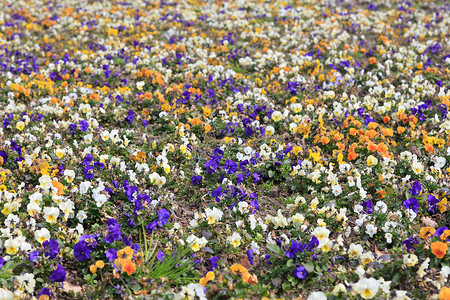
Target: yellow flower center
{"x": 367, "y": 293}
{"x": 11, "y": 250}
{"x": 51, "y": 219}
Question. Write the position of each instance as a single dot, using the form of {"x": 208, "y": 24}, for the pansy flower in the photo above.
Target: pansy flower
{"x": 87, "y": 160}
{"x": 111, "y": 254}
{"x": 415, "y": 189}
{"x": 163, "y": 217}
{"x": 99, "y": 165}
{"x": 213, "y": 261}
{"x": 412, "y": 204}
{"x": 130, "y": 117}
{"x": 150, "y": 227}
{"x": 240, "y": 178}
{"x": 45, "y": 292}
{"x": 300, "y": 272}
{"x": 367, "y": 206}
{"x": 114, "y": 231}
{"x": 313, "y": 243}
{"x": 410, "y": 243}
{"x": 33, "y": 256}
{"x": 72, "y": 128}
{"x": 432, "y": 201}
{"x": 211, "y": 166}
{"x": 2, "y": 262}
{"x": 254, "y": 201}
{"x": 196, "y": 179}
{"x": 295, "y": 248}
{"x": 83, "y": 249}
{"x": 217, "y": 193}
{"x": 3, "y": 157}
{"x": 88, "y": 172}
{"x": 250, "y": 256}
{"x": 439, "y": 249}
{"x": 230, "y": 166}
{"x": 51, "y": 248}
{"x": 58, "y": 275}
{"x": 84, "y": 125}
{"x": 440, "y": 231}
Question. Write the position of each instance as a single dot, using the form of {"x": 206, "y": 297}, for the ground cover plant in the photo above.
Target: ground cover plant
{"x": 224, "y": 149}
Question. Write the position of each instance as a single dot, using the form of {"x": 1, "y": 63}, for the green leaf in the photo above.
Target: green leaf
{"x": 290, "y": 263}
{"x": 309, "y": 267}
{"x": 274, "y": 248}
{"x": 286, "y": 286}
{"x": 408, "y": 194}
{"x": 396, "y": 277}
{"x": 422, "y": 197}
{"x": 319, "y": 268}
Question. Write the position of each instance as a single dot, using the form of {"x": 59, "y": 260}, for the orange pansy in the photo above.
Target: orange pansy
{"x": 208, "y": 277}
{"x": 372, "y": 146}
{"x": 324, "y": 140}
{"x": 196, "y": 121}
{"x": 93, "y": 269}
{"x": 128, "y": 266}
{"x": 429, "y": 148}
{"x": 59, "y": 186}
{"x": 382, "y": 148}
{"x": 207, "y": 128}
{"x": 444, "y": 294}
{"x": 352, "y": 155}
{"x": 128, "y": 252}
{"x": 253, "y": 279}
{"x": 445, "y": 235}
{"x": 238, "y": 268}
{"x": 439, "y": 249}
{"x": 426, "y": 232}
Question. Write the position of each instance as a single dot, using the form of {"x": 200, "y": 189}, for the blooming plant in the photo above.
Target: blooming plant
{"x": 224, "y": 149}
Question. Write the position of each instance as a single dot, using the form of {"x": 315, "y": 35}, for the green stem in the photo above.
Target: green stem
{"x": 145, "y": 239}
{"x": 128, "y": 289}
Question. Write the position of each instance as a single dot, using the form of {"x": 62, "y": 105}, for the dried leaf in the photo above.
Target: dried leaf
{"x": 207, "y": 249}
{"x": 276, "y": 282}
{"x": 206, "y": 234}
{"x": 67, "y": 287}
{"x": 245, "y": 262}
{"x": 428, "y": 222}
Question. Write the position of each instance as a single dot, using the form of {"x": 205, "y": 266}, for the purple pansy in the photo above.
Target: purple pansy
{"x": 412, "y": 204}
{"x": 415, "y": 189}
{"x": 58, "y": 275}
{"x": 88, "y": 172}
{"x": 196, "y": 179}
{"x": 295, "y": 248}
{"x": 432, "y": 201}
{"x": 409, "y": 243}
{"x": 114, "y": 231}
{"x": 87, "y": 160}
{"x": 213, "y": 260}
{"x": 84, "y": 125}
{"x": 111, "y": 254}
{"x": 300, "y": 272}
{"x": 163, "y": 217}
{"x": 45, "y": 292}
{"x": 367, "y": 206}
{"x": 51, "y": 248}
{"x": 250, "y": 256}
{"x": 313, "y": 243}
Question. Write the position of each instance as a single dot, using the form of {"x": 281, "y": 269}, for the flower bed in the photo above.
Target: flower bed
{"x": 224, "y": 149}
